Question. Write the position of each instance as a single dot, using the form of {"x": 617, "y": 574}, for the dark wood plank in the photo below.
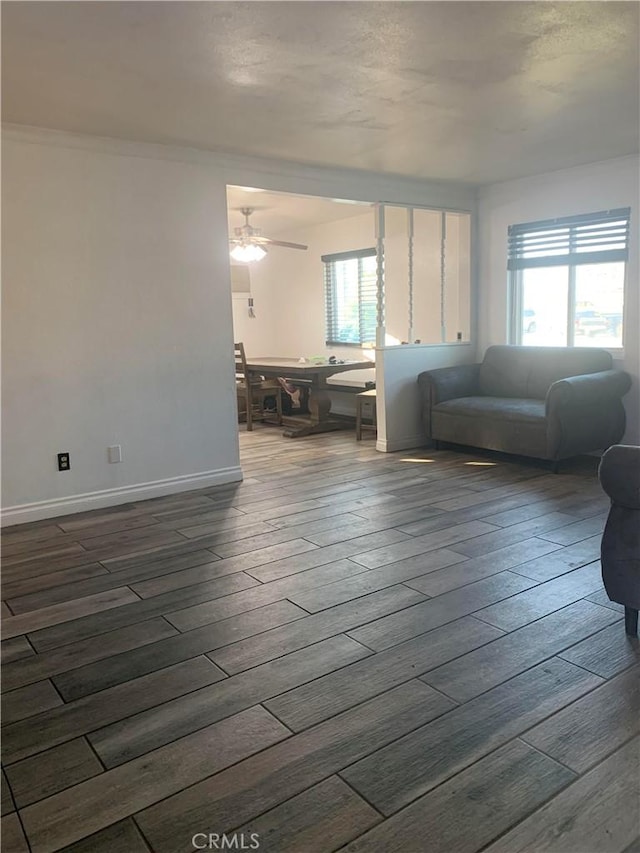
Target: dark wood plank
{"x": 602, "y": 598}
{"x": 29, "y": 701}
{"x": 32, "y": 532}
{"x": 320, "y": 699}
{"x": 18, "y": 648}
{"x": 121, "y": 837}
{"x": 24, "y": 738}
{"x": 231, "y": 531}
{"x": 344, "y": 617}
{"x": 43, "y": 565}
{"x": 253, "y": 786}
{"x": 237, "y": 564}
{"x": 501, "y": 537}
{"x": 210, "y": 611}
{"x": 543, "y": 599}
{"x": 507, "y": 517}
{"x": 155, "y": 556}
{"x": 512, "y": 557}
{"x": 13, "y": 840}
{"x": 562, "y": 560}
{"x": 484, "y": 668}
{"x": 115, "y": 794}
{"x": 56, "y": 555}
{"x": 110, "y": 580}
{"x": 321, "y": 819}
{"x": 373, "y": 580}
{"x": 599, "y": 812}
{"x": 377, "y": 557}
{"x": 606, "y": 652}
{"x": 150, "y": 729}
{"x": 475, "y": 807}
{"x": 131, "y": 664}
{"x": 28, "y": 586}
{"x": 66, "y": 612}
{"x": 126, "y": 541}
{"x": 483, "y": 511}
{"x": 579, "y": 530}
{"x": 45, "y": 774}
{"x": 594, "y": 726}
{"x": 321, "y": 556}
{"x": 397, "y": 627}
{"x": 129, "y": 614}
{"x": 7, "y": 800}
{"x": 115, "y": 525}
{"x": 239, "y": 547}
{"x": 411, "y": 766}
{"x": 78, "y": 521}
{"x": 75, "y": 655}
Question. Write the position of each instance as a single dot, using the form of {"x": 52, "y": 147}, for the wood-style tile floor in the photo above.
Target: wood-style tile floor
{"x": 349, "y": 650}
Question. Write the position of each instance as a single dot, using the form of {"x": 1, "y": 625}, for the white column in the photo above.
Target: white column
{"x": 380, "y": 321}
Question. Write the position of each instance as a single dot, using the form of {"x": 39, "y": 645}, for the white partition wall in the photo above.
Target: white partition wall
{"x": 398, "y": 402}
{"x": 424, "y": 284}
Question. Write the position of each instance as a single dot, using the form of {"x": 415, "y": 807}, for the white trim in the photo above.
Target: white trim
{"x": 272, "y": 173}
{"x": 23, "y": 513}
{"x": 409, "y": 442}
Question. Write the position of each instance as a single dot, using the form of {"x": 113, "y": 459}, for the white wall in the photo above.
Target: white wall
{"x": 114, "y": 330}
{"x": 117, "y": 319}
{"x": 398, "y": 403}
{"x": 288, "y": 291}
{"x": 600, "y": 186}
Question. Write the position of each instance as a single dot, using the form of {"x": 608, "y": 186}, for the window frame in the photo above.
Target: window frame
{"x": 332, "y": 318}
{"x": 572, "y": 258}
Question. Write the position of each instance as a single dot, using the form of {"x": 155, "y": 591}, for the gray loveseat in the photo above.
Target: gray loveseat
{"x": 545, "y": 402}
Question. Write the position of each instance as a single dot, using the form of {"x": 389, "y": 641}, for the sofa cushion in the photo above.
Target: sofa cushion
{"x": 512, "y": 425}
{"x": 527, "y": 372}
{"x": 510, "y": 409}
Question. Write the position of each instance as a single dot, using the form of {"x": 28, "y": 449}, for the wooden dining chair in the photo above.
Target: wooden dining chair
{"x": 254, "y": 391}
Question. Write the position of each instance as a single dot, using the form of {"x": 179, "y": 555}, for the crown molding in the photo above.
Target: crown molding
{"x": 275, "y": 174}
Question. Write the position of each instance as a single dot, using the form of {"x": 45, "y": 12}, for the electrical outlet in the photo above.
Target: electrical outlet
{"x": 459, "y": 336}
{"x": 115, "y": 453}
{"x": 64, "y": 461}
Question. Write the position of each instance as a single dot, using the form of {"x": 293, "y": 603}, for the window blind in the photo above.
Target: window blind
{"x": 350, "y": 296}
{"x": 588, "y": 239}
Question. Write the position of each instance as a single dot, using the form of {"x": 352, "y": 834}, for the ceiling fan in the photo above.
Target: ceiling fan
{"x": 248, "y": 244}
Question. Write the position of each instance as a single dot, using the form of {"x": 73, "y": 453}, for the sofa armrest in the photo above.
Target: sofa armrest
{"x": 588, "y": 389}
{"x": 619, "y": 474}
{"x": 447, "y": 383}
{"x": 585, "y": 412}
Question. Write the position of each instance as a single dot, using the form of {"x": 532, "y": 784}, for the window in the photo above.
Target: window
{"x": 567, "y": 280}
{"x": 350, "y": 297}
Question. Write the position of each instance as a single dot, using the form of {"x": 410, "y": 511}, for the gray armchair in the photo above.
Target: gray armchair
{"x": 619, "y": 474}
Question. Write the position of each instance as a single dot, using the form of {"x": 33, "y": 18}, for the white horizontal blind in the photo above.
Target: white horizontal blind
{"x": 350, "y": 297}
{"x": 588, "y": 239}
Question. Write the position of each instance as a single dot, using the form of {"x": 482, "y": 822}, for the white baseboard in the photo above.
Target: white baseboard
{"x": 38, "y": 510}
{"x": 409, "y": 442}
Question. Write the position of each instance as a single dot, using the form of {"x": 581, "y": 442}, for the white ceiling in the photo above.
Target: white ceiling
{"x": 466, "y": 91}
{"x": 280, "y": 214}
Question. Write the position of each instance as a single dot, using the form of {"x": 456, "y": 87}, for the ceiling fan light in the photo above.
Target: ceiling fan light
{"x": 248, "y": 252}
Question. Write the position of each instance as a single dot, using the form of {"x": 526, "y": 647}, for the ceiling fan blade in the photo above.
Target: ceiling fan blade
{"x": 282, "y": 243}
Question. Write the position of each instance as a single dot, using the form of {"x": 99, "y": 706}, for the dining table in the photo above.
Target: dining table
{"x": 312, "y": 374}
